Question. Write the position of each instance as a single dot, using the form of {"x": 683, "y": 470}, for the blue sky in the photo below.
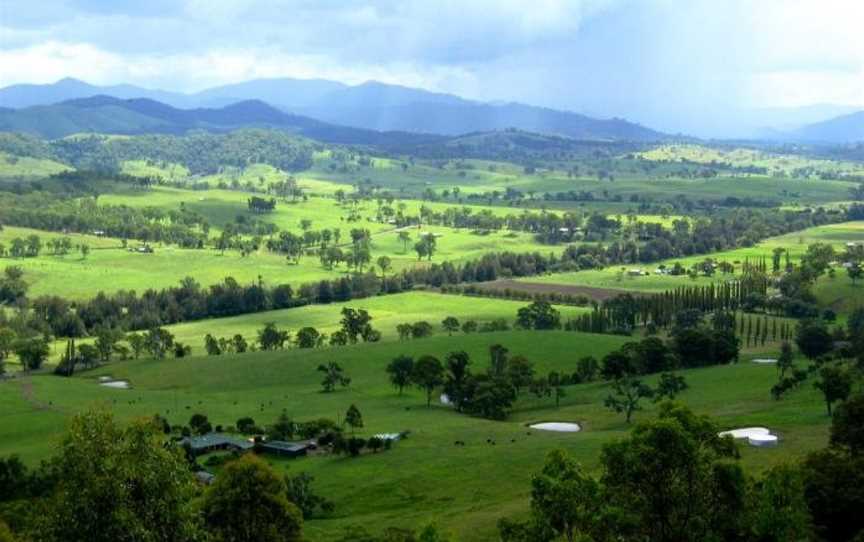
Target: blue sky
{"x": 667, "y": 63}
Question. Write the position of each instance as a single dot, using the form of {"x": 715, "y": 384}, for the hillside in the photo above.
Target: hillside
{"x": 842, "y": 129}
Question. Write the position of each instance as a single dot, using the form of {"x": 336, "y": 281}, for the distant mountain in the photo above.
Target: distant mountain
{"x": 467, "y": 117}
{"x": 105, "y": 114}
{"x": 370, "y": 106}
{"x": 842, "y": 129}
{"x": 20, "y": 96}
{"x": 287, "y": 93}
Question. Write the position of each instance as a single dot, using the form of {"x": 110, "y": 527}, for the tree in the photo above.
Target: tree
{"x": 587, "y": 369}
{"x": 556, "y": 387}
{"x": 428, "y": 374}
{"x": 32, "y": 352}
{"x": 400, "y": 370}
{"x": 404, "y": 238}
{"x": 469, "y": 326}
{"x": 672, "y": 478}
{"x": 307, "y": 337}
{"x": 106, "y": 341}
{"x": 813, "y": 338}
{"x": 628, "y": 392}
{"x": 333, "y": 376}
{"x": 426, "y": 246}
{"x": 272, "y": 338}
{"x": 538, "y": 315}
{"x": 199, "y": 424}
{"x": 847, "y": 426}
{"x": 283, "y": 428}
{"x": 211, "y": 345}
{"x": 353, "y": 417}
{"x": 450, "y": 325}
{"x": 779, "y": 509}
{"x": 421, "y": 329}
{"x": 497, "y": 359}
{"x": 404, "y": 331}
{"x": 384, "y": 264}
{"x": 246, "y": 425}
{"x": 669, "y": 386}
{"x": 158, "y": 341}
{"x": 112, "y": 481}
{"x": 85, "y": 250}
{"x": 786, "y": 361}
{"x": 356, "y": 323}
{"x": 834, "y": 490}
{"x": 855, "y": 272}
{"x": 835, "y": 383}
{"x": 565, "y": 498}
{"x": 457, "y": 380}
{"x": 520, "y": 372}
{"x": 248, "y": 502}
{"x": 488, "y": 396}
{"x": 137, "y": 342}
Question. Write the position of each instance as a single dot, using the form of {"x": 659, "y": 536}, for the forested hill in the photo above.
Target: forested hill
{"x": 107, "y": 115}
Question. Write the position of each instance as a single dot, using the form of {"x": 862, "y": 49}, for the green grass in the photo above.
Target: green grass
{"x": 740, "y": 157}
{"x": 19, "y": 166}
{"x": 796, "y": 243}
{"x": 424, "y": 477}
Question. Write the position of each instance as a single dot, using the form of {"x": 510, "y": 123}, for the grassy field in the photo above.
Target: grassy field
{"x": 109, "y": 267}
{"x": 387, "y": 312}
{"x": 24, "y": 166}
{"x": 425, "y": 477}
{"x": 796, "y": 243}
{"x": 740, "y": 157}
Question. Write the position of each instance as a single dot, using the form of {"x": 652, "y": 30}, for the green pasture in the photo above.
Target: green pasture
{"x": 109, "y": 267}
{"x": 25, "y": 166}
{"x": 424, "y": 477}
{"x": 741, "y": 157}
{"x": 795, "y": 243}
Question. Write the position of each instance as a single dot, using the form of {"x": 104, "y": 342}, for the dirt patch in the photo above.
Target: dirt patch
{"x": 597, "y": 294}
{"x": 30, "y": 396}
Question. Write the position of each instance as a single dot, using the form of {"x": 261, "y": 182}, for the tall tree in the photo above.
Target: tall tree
{"x": 428, "y": 375}
{"x": 248, "y": 503}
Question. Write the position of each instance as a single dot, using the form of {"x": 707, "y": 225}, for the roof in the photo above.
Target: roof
{"x": 204, "y": 477}
{"x": 213, "y": 440}
{"x": 285, "y": 446}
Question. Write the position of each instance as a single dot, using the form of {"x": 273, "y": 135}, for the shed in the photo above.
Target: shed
{"x": 284, "y": 448}
{"x": 211, "y": 442}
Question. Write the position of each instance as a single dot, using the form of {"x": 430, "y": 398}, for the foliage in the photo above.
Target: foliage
{"x": 248, "y": 502}
{"x": 119, "y": 483}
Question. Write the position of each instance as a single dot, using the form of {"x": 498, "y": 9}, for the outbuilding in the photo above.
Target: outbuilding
{"x": 212, "y": 442}
{"x": 283, "y": 448}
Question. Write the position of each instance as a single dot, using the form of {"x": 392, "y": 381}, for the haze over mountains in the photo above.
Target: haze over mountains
{"x": 318, "y": 106}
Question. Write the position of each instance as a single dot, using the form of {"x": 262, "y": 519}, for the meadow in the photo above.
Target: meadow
{"x": 783, "y": 164}
{"x": 424, "y": 477}
{"x": 795, "y": 243}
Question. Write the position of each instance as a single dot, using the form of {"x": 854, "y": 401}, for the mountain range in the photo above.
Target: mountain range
{"x": 54, "y": 109}
{"x": 109, "y": 115}
{"x": 370, "y": 106}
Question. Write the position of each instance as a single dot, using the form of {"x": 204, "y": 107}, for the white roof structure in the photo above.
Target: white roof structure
{"x": 745, "y": 432}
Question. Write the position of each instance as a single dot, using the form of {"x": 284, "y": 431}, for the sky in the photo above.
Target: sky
{"x": 677, "y": 65}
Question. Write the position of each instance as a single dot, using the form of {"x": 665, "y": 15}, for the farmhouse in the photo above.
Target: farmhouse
{"x": 212, "y": 442}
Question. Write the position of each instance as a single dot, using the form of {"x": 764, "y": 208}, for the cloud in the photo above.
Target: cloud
{"x": 670, "y": 63}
